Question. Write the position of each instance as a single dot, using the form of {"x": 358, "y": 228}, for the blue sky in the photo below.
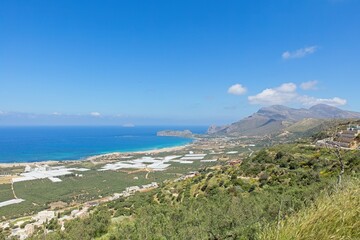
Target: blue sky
{"x": 174, "y": 62}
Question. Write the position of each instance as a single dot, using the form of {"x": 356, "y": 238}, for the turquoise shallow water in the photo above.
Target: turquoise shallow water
{"x": 29, "y": 144}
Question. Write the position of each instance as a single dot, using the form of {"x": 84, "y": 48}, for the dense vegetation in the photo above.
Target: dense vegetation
{"x": 244, "y": 201}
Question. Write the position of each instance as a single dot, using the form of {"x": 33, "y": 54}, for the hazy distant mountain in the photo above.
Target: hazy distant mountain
{"x": 214, "y": 129}
{"x": 175, "y": 133}
{"x": 272, "y": 119}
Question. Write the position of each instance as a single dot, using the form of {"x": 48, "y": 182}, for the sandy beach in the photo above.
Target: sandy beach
{"x": 161, "y": 150}
{"x": 153, "y": 151}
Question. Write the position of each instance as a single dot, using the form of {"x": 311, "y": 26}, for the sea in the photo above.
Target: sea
{"x": 33, "y": 144}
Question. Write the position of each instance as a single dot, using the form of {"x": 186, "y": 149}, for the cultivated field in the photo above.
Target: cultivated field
{"x": 93, "y": 184}
{"x": 5, "y": 193}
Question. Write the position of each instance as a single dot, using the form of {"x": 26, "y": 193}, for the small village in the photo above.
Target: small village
{"x": 347, "y": 139}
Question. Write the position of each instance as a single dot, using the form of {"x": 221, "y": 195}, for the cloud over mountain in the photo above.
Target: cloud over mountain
{"x": 272, "y": 96}
{"x": 287, "y": 94}
{"x": 311, "y": 101}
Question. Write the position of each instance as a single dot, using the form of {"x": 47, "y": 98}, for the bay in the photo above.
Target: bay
{"x": 29, "y": 144}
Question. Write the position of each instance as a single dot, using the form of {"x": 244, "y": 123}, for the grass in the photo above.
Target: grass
{"x": 335, "y": 216}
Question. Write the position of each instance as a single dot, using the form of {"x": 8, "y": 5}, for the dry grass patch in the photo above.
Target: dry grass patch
{"x": 331, "y": 217}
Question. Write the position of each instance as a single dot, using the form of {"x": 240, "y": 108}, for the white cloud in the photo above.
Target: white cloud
{"x": 95, "y": 114}
{"x": 287, "y": 94}
{"x": 272, "y": 96}
{"x": 310, "y": 85}
{"x": 310, "y": 101}
{"x": 237, "y": 89}
{"x": 299, "y": 53}
{"x": 1, "y": 113}
{"x": 287, "y": 87}
{"x": 56, "y": 114}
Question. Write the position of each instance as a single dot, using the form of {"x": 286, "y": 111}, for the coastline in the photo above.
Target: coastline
{"x": 97, "y": 157}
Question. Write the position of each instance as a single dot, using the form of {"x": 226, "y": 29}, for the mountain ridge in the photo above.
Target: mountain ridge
{"x": 273, "y": 119}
